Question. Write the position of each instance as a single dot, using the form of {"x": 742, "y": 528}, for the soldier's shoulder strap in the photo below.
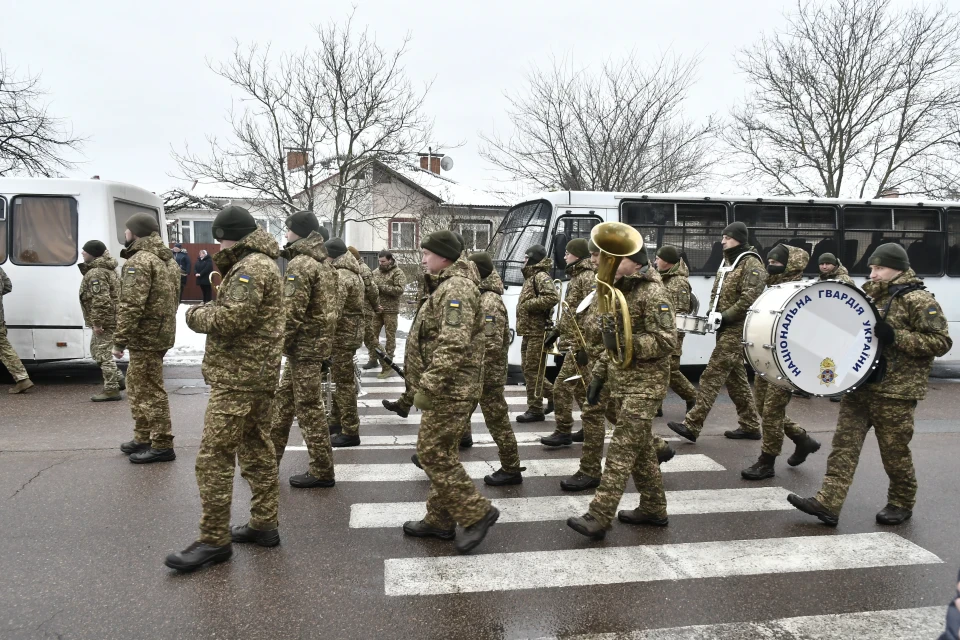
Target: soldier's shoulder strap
{"x": 900, "y": 290}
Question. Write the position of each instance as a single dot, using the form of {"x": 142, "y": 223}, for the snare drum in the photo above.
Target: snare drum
{"x": 691, "y": 324}
{"x": 816, "y": 337}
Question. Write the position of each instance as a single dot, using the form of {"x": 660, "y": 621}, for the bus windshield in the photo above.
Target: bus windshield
{"x": 524, "y": 225}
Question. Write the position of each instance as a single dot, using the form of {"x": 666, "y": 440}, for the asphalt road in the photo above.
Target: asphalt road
{"x": 85, "y": 533}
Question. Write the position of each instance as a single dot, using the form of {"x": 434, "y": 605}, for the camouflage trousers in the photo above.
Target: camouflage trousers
{"x": 453, "y": 498}
{"x": 101, "y": 350}
{"x": 344, "y": 409}
{"x": 496, "y": 415}
{"x": 530, "y": 361}
{"x": 148, "y": 399}
{"x": 236, "y": 427}
{"x": 564, "y": 393}
{"x": 299, "y": 394}
{"x": 679, "y": 382}
{"x": 371, "y": 338}
{"x": 406, "y": 398}
{"x": 9, "y": 357}
{"x": 632, "y": 451}
{"x": 892, "y": 421}
{"x": 725, "y": 367}
{"x": 772, "y": 404}
{"x": 595, "y": 418}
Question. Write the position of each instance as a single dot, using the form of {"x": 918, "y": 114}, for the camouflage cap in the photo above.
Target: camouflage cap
{"x": 779, "y": 253}
{"x": 335, "y": 247}
{"x": 324, "y": 233}
{"x": 640, "y": 257}
{"x": 829, "y": 258}
{"x": 669, "y": 254}
{"x": 95, "y": 248}
{"x": 592, "y": 247}
{"x": 737, "y": 231}
{"x": 444, "y": 243}
{"x": 536, "y": 252}
{"x": 302, "y": 223}
{"x": 484, "y": 263}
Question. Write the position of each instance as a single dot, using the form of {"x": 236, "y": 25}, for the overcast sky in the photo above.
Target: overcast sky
{"x": 133, "y": 77}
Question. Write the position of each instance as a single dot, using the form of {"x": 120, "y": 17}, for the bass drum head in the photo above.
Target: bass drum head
{"x": 823, "y": 339}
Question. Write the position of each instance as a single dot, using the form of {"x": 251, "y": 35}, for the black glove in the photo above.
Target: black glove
{"x": 551, "y": 337}
{"x": 582, "y": 357}
{"x": 593, "y": 391}
{"x": 885, "y": 333}
{"x": 325, "y": 366}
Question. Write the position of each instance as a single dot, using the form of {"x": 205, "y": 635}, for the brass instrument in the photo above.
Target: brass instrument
{"x": 216, "y": 286}
{"x": 616, "y": 241}
{"x": 544, "y": 351}
{"x": 582, "y": 342}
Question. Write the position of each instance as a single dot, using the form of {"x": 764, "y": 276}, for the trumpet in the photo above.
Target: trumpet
{"x": 544, "y": 350}
{"x": 616, "y": 241}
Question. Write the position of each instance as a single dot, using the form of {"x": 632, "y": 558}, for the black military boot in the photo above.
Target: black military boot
{"x": 466, "y": 441}
{"x": 307, "y": 481}
{"x": 123, "y": 383}
{"x": 587, "y": 526}
{"x": 660, "y": 411}
{"x": 371, "y": 364}
{"x": 420, "y": 529}
{"x": 805, "y": 446}
{"x": 153, "y": 455}
{"x": 396, "y": 408}
{"x": 197, "y": 555}
{"x": 502, "y": 477}
{"x": 666, "y": 454}
{"x": 836, "y": 399}
{"x": 761, "y": 469}
{"x": 335, "y": 428}
{"x": 814, "y": 508}
{"x": 740, "y": 434}
{"x": 579, "y": 482}
{"x": 549, "y": 408}
{"x": 526, "y": 416}
{"x": 244, "y": 533}
{"x": 681, "y": 429}
{"x": 577, "y": 437}
{"x": 134, "y": 447}
{"x": 893, "y": 515}
{"x": 475, "y": 533}
{"x": 557, "y": 439}
{"x": 415, "y": 459}
{"x": 344, "y": 440}
{"x": 635, "y": 516}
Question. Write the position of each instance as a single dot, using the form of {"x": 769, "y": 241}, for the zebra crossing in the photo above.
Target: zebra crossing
{"x": 438, "y": 572}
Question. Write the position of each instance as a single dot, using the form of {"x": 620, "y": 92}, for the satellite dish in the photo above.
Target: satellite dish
{"x": 446, "y": 163}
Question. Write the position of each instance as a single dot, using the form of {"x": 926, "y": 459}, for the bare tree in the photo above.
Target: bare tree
{"x": 31, "y": 140}
{"x": 852, "y": 98}
{"x": 179, "y": 200}
{"x": 619, "y": 129}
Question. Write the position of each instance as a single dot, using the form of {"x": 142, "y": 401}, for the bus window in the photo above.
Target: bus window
{"x": 919, "y": 231}
{"x": 813, "y": 229}
{"x": 864, "y": 229}
{"x": 524, "y": 226}
{"x": 122, "y": 212}
{"x": 44, "y": 230}
{"x": 569, "y": 227}
{"x": 692, "y": 227}
{"x": 953, "y": 242}
{"x": 765, "y": 225}
{"x": 3, "y": 230}
{"x": 921, "y": 234}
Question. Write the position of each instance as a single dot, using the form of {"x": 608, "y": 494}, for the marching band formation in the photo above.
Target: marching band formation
{"x": 620, "y": 327}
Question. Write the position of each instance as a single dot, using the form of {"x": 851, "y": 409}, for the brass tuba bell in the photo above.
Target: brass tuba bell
{"x": 615, "y": 241}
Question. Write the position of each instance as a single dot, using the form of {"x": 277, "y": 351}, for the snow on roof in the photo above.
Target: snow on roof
{"x": 222, "y": 191}
{"x": 449, "y": 191}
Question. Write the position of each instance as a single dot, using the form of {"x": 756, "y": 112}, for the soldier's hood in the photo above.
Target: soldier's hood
{"x": 544, "y": 265}
{"x": 836, "y": 273}
{"x": 581, "y": 265}
{"x": 461, "y": 267}
{"x": 312, "y": 246}
{"x": 151, "y": 244}
{"x": 646, "y": 274}
{"x": 492, "y": 283}
{"x": 879, "y": 290}
{"x": 797, "y": 260}
{"x": 258, "y": 241}
{"x": 679, "y": 269}
{"x": 390, "y": 267}
{"x": 348, "y": 262}
{"x": 106, "y": 261}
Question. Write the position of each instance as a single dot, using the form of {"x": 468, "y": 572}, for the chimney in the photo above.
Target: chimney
{"x": 296, "y": 159}
{"x": 890, "y": 193}
{"x": 431, "y": 162}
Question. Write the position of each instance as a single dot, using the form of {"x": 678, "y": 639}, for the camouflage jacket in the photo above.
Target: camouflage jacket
{"x": 654, "y": 339}
{"x": 149, "y": 296}
{"x": 309, "y": 300}
{"x": 444, "y": 354}
{"x": 677, "y": 281}
{"x": 583, "y": 280}
{"x": 350, "y": 302}
{"x": 797, "y": 260}
{"x": 390, "y": 283}
{"x": 5, "y": 287}
{"x": 100, "y": 292}
{"x": 537, "y": 299}
{"x": 496, "y": 331}
{"x": 740, "y": 288}
{"x": 244, "y": 325}
{"x": 840, "y": 273}
{"x": 371, "y": 295}
{"x": 921, "y": 334}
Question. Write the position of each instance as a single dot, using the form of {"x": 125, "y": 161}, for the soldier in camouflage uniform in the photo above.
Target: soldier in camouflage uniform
{"x": 390, "y": 281}
{"x": 676, "y": 278}
{"x": 8, "y": 356}
{"x": 912, "y": 331}
{"x": 741, "y": 287}
{"x": 245, "y": 335}
{"x": 147, "y": 326}
{"x": 639, "y": 388}
{"x": 371, "y": 300}
{"x": 582, "y": 276}
{"x": 345, "y": 421}
{"x": 310, "y": 310}
{"x": 444, "y": 363}
{"x": 535, "y": 305}
{"x": 99, "y": 295}
{"x": 831, "y": 269}
{"x": 784, "y": 264}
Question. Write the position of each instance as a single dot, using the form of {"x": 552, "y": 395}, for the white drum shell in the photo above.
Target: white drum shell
{"x": 816, "y": 337}
{"x": 691, "y": 324}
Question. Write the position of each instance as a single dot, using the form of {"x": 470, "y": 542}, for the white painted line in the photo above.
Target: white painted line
{"x": 547, "y": 508}
{"x": 415, "y": 417}
{"x": 648, "y": 563}
{"x": 377, "y": 403}
{"x": 524, "y": 439}
{"x": 517, "y": 392}
{"x": 406, "y": 472}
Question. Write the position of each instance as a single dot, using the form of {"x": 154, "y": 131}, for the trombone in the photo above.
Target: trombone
{"x": 581, "y": 341}
{"x": 552, "y": 351}
{"x": 616, "y": 241}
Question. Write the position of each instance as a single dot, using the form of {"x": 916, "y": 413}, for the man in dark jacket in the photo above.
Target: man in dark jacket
{"x": 203, "y": 268}
{"x": 183, "y": 261}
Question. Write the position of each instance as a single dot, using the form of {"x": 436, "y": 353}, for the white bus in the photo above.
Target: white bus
{"x": 43, "y": 224}
{"x": 850, "y": 229}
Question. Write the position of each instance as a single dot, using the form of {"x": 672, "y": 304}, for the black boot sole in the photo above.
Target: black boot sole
{"x": 746, "y": 475}
{"x": 555, "y": 444}
{"x": 128, "y": 451}
{"x": 893, "y": 523}
{"x": 502, "y": 483}
{"x": 415, "y": 459}
{"x": 521, "y": 419}
{"x": 733, "y": 435}
{"x": 488, "y": 520}
{"x": 341, "y": 444}
{"x": 187, "y": 568}
{"x": 439, "y": 534}
{"x": 627, "y": 517}
{"x": 314, "y": 484}
{"x": 682, "y": 430}
{"x": 825, "y": 518}
{"x": 165, "y": 458}
{"x": 577, "y": 437}
{"x": 567, "y": 486}
{"x": 795, "y": 462}
{"x": 666, "y": 457}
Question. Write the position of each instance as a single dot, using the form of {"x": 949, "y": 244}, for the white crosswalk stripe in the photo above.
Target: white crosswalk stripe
{"x": 415, "y": 417}
{"x": 368, "y": 443}
{"x": 377, "y": 403}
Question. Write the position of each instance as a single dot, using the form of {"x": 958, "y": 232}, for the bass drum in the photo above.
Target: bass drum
{"x": 815, "y": 337}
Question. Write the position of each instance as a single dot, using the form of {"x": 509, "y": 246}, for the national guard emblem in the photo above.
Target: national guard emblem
{"x": 828, "y": 371}
{"x": 291, "y": 286}
{"x": 95, "y": 285}
{"x": 453, "y": 313}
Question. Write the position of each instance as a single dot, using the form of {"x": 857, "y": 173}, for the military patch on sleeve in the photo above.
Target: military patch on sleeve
{"x": 453, "y": 313}
{"x": 665, "y": 318}
{"x": 489, "y": 326}
{"x": 933, "y": 318}
{"x": 932, "y": 311}
{"x": 290, "y": 287}
{"x": 753, "y": 278}
{"x": 243, "y": 278}
{"x": 95, "y": 285}
{"x": 129, "y": 273}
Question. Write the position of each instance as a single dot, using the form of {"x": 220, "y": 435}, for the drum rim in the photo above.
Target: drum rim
{"x": 773, "y": 330}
